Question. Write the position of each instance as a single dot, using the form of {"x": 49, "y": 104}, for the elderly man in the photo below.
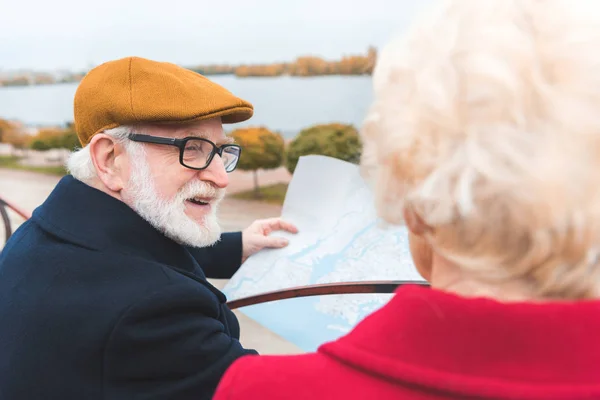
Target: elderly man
{"x": 103, "y": 293}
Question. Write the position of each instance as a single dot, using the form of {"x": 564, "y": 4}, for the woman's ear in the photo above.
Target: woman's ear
{"x": 414, "y": 222}
{"x": 420, "y": 249}
{"x": 106, "y": 154}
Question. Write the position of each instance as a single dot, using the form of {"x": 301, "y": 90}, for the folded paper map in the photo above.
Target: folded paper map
{"x": 340, "y": 239}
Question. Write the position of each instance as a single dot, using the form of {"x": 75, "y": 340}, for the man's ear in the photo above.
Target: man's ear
{"x": 107, "y": 158}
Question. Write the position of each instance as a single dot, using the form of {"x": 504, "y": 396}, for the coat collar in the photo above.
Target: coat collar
{"x": 478, "y": 347}
{"x": 81, "y": 214}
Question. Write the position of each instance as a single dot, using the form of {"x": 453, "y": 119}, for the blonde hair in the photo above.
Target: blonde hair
{"x": 486, "y": 124}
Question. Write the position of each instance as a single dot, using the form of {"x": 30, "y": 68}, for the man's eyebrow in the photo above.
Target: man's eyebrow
{"x": 197, "y": 134}
{"x": 203, "y": 135}
{"x": 227, "y": 140}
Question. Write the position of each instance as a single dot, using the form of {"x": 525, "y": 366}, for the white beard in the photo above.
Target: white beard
{"x": 168, "y": 216}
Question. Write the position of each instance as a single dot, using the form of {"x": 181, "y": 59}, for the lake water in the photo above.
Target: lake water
{"x": 285, "y": 104}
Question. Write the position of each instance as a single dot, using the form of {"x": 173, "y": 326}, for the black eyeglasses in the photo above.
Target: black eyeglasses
{"x": 196, "y": 153}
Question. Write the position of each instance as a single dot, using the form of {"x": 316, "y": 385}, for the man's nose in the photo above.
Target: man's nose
{"x": 215, "y": 173}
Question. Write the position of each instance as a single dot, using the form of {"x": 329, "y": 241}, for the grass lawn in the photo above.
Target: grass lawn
{"x": 270, "y": 194}
{"x": 13, "y": 163}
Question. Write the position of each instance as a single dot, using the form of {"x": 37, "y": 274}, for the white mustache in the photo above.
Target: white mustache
{"x": 200, "y": 189}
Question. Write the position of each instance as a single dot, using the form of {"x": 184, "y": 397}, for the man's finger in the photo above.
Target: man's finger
{"x": 288, "y": 226}
{"x": 277, "y": 224}
{"x": 274, "y": 242}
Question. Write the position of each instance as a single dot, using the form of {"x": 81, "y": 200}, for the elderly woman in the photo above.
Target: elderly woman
{"x": 484, "y": 138}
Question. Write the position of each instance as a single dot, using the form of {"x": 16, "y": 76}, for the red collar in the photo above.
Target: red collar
{"x": 479, "y": 347}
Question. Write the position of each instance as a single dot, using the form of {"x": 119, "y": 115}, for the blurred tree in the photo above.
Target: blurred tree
{"x": 313, "y": 66}
{"x": 12, "y": 134}
{"x": 39, "y": 144}
{"x": 17, "y": 81}
{"x": 213, "y": 69}
{"x": 260, "y": 70}
{"x": 18, "y": 139}
{"x": 261, "y": 149}
{"x": 70, "y": 141}
{"x": 5, "y": 127}
{"x": 55, "y": 138}
{"x": 310, "y": 66}
{"x": 333, "y": 140}
{"x": 47, "y": 138}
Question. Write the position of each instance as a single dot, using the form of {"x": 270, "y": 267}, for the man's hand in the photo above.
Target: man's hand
{"x": 256, "y": 236}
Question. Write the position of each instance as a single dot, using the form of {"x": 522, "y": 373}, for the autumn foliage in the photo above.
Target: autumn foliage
{"x": 45, "y": 139}
{"x": 5, "y": 128}
{"x": 261, "y": 70}
{"x": 314, "y": 66}
{"x": 54, "y": 138}
{"x": 309, "y": 65}
{"x": 261, "y": 149}
{"x": 12, "y": 134}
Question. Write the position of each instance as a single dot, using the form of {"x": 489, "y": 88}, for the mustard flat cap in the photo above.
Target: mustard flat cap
{"x": 137, "y": 90}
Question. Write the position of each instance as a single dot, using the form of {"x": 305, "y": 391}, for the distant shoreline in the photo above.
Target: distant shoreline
{"x": 6, "y": 85}
{"x": 305, "y": 66}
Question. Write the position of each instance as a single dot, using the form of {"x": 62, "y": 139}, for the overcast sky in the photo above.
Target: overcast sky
{"x": 77, "y": 34}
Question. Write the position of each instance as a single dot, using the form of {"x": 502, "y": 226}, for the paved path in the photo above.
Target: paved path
{"x": 28, "y": 190}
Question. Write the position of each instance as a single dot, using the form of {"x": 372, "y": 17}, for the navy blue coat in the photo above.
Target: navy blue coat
{"x": 97, "y": 304}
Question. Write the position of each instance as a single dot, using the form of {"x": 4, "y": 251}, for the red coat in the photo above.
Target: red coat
{"x": 427, "y": 344}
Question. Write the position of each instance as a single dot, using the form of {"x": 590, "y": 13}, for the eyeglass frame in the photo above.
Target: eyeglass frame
{"x": 181, "y": 143}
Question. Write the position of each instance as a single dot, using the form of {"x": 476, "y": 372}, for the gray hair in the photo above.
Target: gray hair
{"x": 80, "y": 163}
{"x": 486, "y": 123}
